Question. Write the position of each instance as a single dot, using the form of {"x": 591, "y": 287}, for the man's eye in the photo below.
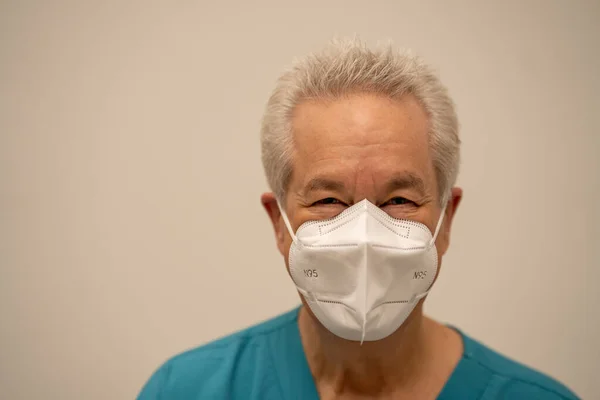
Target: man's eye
{"x": 327, "y": 201}
{"x": 397, "y": 201}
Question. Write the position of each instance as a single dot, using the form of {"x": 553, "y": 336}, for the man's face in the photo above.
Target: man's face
{"x": 359, "y": 147}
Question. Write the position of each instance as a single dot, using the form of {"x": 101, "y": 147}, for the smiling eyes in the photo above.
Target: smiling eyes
{"x": 327, "y": 201}
{"x": 394, "y": 201}
{"x": 397, "y": 201}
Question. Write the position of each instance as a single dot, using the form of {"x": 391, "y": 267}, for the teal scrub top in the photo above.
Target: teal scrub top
{"x": 267, "y": 362}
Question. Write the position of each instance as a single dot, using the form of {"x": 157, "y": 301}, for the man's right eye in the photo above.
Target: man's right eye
{"x": 327, "y": 201}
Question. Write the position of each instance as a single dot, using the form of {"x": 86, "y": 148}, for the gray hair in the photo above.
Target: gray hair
{"x": 345, "y": 67}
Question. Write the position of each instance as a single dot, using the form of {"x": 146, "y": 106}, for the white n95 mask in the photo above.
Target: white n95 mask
{"x": 363, "y": 271}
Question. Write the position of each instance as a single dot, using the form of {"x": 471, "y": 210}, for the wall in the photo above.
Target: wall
{"x": 130, "y": 222}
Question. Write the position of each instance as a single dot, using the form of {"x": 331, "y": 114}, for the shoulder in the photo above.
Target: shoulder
{"x": 209, "y": 370}
{"x": 511, "y": 379}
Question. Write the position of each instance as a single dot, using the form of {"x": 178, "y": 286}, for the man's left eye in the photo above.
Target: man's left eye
{"x": 397, "y": 201}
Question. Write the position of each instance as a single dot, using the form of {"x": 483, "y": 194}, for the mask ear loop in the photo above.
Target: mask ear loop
{"x": 419, "y": 296}
{"x": 287, "y": 222}
{"x": 307, "y": 295}
{"x": 438, "y": 227}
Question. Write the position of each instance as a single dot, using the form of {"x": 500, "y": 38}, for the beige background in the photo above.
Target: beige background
{"x": 130, "y": 223}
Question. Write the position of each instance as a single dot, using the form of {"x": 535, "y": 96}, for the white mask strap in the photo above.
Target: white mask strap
{"x": 432, "y": 243}
{"x": 286, "y": 221}
{"x": 438, "y": 227}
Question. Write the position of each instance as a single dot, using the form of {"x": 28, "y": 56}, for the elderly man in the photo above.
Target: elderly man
{"x": 361, "y": 150}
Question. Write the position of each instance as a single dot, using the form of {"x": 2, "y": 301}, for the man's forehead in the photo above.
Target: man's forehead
{"x": 361, "y": 119}
{"x": 361, "y": 142}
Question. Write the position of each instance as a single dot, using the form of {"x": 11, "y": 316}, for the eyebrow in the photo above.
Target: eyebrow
{"x": 406, "y": 180}
{"x": 324, "y": 184}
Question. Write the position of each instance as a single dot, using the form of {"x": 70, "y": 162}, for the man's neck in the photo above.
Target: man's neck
{"x": 417, "y": 358}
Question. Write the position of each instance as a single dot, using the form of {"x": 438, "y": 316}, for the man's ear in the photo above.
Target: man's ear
{"x": 456, "y": 195}
{"x": 269, "y": 202}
